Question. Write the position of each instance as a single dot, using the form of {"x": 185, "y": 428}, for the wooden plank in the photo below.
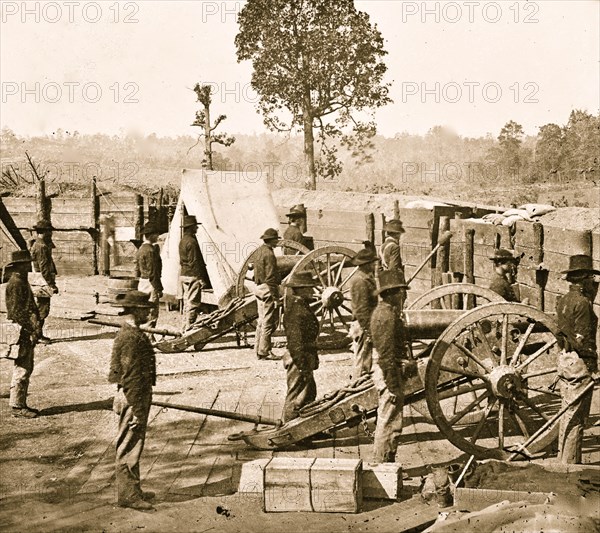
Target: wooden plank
{"x": 596, "y": 245}
{"x": 485, "y": 234}
{"x": 567, "y": 241}
{"x": 524, "y": 234}
{"x": 336, "y": 218}
{"x": 555, "y": 262}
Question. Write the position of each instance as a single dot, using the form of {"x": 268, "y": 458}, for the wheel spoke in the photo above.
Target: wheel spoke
{"x": 314, "y": 267}
{"x": 461, "y": 414}
{"x": 504, "y": 346}
{"x": 354, "y": 270}
{"x": 322, "y": 320}
{"x": 539, "y": 373}
{"x": 329, "y": 276}
{"x": 535, "y": 355}
{"x": 481, "y": 423}
{"x": 501, "y": 426}
{"x": 342, "y": 319}
{"x": 339, "y": 272}
{"x": 519, "y": 422}
{"x": 346, "y": 308}
{"x": 515, "y": 358}
{"x": 460, "y": 391}
{"x": 485, "y": 341}
{"x": 465, "y": 373}
{"x": 471, "y": 356}
{"x": 533, "y": 407}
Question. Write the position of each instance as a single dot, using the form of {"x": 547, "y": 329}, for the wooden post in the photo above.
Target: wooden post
{"x": 382, "y": 226}
{"x": 396, "y": 209}
{"x": 139, "y": 216}
{"x": 95, "y": 224}
{"x": 538, "y": 257}
{"x": 370, "y": 227}
{"x": 442, "y": 260}
{"x": 469, "y": 264}
{"x": 160, "y": 211}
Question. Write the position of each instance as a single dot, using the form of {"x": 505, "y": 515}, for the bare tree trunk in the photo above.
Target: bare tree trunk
{"x": 207, "y": 139}
{"x": 309, "y": 152}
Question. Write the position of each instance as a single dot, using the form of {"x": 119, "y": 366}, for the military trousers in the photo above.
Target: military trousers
{"x": 301, "y": 390}
{"x": 389, "y": 420}
{"x": 43, "y": 305}
{"x": 572, "y": 423}
{"x": 22, "y": 372}
{"x": 363, "y": 355}
{"x": 129, "y": 447}
{"x": 146, "y": 287}
{"x": 192, "y": 298}
{"x": 268, "y": 318}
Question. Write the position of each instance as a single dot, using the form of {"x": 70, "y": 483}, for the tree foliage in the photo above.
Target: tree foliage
{"x": 317, "y": 65}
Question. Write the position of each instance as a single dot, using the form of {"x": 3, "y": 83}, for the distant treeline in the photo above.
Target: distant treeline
{"x": 440, "y": 161}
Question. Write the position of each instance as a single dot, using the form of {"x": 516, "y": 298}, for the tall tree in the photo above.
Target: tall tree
{"x": 549, "y": 149}
{"x": 582, "y": 143}
{"x": 317, "y": 65}
{"x": 203, "y": 92}
{"x": 509, "y": 140}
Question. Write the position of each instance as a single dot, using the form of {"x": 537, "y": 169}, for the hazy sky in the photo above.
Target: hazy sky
{"x": 472, "y": 66}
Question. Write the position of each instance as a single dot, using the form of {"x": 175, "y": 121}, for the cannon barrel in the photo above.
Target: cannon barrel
{"x": 429, "y": 323}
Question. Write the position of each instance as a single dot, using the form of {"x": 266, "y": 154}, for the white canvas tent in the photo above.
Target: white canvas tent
{"x": 233, "y": 209}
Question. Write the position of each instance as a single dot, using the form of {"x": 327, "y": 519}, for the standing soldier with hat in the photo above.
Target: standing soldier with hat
{"x": 21, "y": 309}
{"x": 267, "y": 279}
{"x": 193, "y": 274}
{"x": 578, "y": 361}
{"x": 133, "y": 369}
{"x": 293, "y": 232}
{"x": 389, "y": 357}
{"x": 505, "y": 274}
{"x": 41, "y": 254}
{"x": 149, "y": 266}
{"x": 389, "y": 252}
{"x": 301, "y": 331}
{"x": 363, "y": 301}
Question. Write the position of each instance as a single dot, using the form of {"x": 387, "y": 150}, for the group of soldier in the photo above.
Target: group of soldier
{"x": 377, "y": 292}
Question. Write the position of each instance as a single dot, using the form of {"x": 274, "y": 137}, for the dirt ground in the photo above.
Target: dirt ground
{"x": 57, "y": 471}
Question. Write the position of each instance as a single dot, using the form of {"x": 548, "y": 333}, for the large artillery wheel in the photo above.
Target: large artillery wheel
{"x": 455, "y": 296}
{"x": 489, "y": 380}
{"x": 240, "y": 288}
{"x": 330, "y": 268}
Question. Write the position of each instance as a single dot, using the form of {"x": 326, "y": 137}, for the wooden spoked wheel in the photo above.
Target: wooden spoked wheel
{"x": 455, "y": 296}
{"x": 331, "y": 270}
{"x": 489, "y": 380}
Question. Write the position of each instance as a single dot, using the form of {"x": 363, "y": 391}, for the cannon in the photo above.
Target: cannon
{"x": 487, "y": 376}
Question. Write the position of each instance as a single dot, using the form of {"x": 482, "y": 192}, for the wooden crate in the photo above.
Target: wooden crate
{"x": 287, "y": 485}
{"x": 336, "y": 485}
{"x": 382, "y": 481}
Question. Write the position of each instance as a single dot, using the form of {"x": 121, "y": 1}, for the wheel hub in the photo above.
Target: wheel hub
{"x": 332, "y": 297}
{"x": 505, "y": 381}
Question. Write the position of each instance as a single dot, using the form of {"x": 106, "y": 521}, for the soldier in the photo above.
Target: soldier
{"x": 294, "y": 231}
{"x": 301, "y": 330}
{"x": 194, "y": 276}
{"x": 266, "y": 277}
{"x": 389, "y": 252}
{"x": 363, "y": 300}
{"x": 578, "y": 362}
{"x": 21, "y": 309}
{"x": 149, "y": 265}
{"x": 505, "y": 274}
{"x": 133, "y": 369}
{"x": 41, "y": 253}
{"x": 389, "y": 356}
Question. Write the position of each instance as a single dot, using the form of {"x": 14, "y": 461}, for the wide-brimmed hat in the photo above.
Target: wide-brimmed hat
{"x": 580, "y": 264}
{"x": 364, "y": 256}
{"x": 390, "y": 279}
{"x": 150, "y": 228}
{"x": 301, "y": 279}
{"x": 270, "y": 234}
{"x": 133, "y": 299}
{"x": 18, "y": 256}
{"x": 189, "y": 220}
{"x": 43, "y": 225}
{"x": 394, "y": 226}
{"x": 502, "y": 255}
{"x": 296, "y": 211}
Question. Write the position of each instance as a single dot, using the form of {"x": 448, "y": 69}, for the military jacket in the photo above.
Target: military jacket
{"x": 301, "y": 330}
{"x": 191, "y": 259}
{"x": 501, "y": 286}
{"x": 363, "y": 299}
{"x": 41, "y": 256}
{"x": 149, "y": 265}
{"x": 20, "y": 304}
{"x": 265, "y": 268}
{"x": 390, "y": 255}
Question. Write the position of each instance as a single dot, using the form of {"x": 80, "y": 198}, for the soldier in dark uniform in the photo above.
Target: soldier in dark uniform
{"x": 389, "y": 252}
{"x": 133, "y": 369}
{"x": 505, "y": 274}
{"x": 149, "y": 265}
{"x": 301, "y": 330}
{"x": 578, "y": 362}
{"x": 41, "y": 254}
{"x": 363, "y": 301}
{"x": 22, "y": 309}
{"x": 389, "y": 356}
{"x": 267, "y": 279}
{"x": 294, "y": 231}
{"x": 193, "y": 275}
